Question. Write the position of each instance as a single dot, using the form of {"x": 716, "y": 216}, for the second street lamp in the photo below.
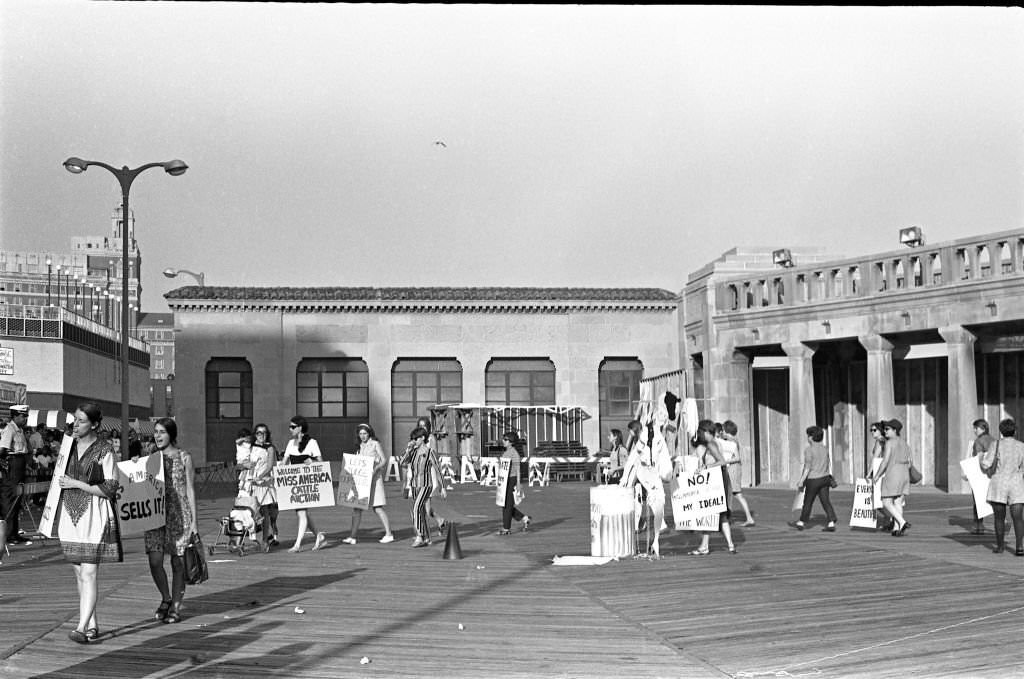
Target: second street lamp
{"x": 200, "y": 277}
{"x": 125, "y": 177}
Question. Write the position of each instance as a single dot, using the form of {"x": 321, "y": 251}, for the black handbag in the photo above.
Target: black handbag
{"x": 196, "y": 571}
{"x": 914, "y": 474}
{"x": 832, "y": 483}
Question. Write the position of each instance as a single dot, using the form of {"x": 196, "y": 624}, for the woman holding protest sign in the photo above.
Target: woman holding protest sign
{"x": 302, "y": 448}
{"x": 263, "y": 457}
{"x": 85, "y": 516}
{"x": 509, "y": 510}
{"x": 710, "y": 458}
{"x": 180, "y": 521}
{"x": 370, "y": 447}
{"x": 1004, "y": 463}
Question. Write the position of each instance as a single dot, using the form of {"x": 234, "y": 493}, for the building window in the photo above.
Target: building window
{"x": 158, "y": 364}
{"x": 228, "y": 389}
{"x": 158, "y": 350}
{"x": 417, "y": 384}
{"x": 619, "y": 387}
{"x": 520, "y": 382}
{"x": 169, "y": 399}
{"x": 332, "y": 388}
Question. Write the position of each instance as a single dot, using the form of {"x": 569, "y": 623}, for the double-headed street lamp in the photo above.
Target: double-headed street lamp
{"x": 200, "y": 277}
{"x": 125, "y": 177}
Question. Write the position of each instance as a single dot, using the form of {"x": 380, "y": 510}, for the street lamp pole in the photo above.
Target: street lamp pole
{"x": 200, "y": 277}
{"x": 125, "y": 177}
{"x": 49, "y": 272}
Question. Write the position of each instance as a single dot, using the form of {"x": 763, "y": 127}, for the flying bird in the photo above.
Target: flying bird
{"x": 440, "y": 143}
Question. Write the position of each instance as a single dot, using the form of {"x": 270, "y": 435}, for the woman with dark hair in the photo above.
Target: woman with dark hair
{"x": 617, "y": 457}
{"x": 301, "y": 448}
{"x": 432, "y": 442}
{"x": 86, "y": 520}
{"x": 634, "y": 427}
{"x": 370, "y": 447}
{"x": 895, "y": 474}
{"x": 710, "y": 457}
{"x": 982, "y": 442}
{"x": 1006, "y": 485}
{"x": 644, "y": 473}
{"x": 509, "y": 510}
{"x": 263, "y": 457}
{"x": 877, "y": 431}
{"x": 424, "y": 476}
{"x": 729, "y": 445}
{"x": 816, "y": 479}
{"x": 180, "y": 521}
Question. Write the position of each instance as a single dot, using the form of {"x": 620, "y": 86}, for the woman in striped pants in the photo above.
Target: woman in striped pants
{"x": 425, "y": 475}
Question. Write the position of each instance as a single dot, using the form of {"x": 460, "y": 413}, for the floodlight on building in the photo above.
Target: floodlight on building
{"x": 912, "y": 236}
{"x": 782, "y": 257}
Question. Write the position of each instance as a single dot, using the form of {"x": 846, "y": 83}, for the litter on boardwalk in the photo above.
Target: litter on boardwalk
{"x": 364, "y": 660}
{"x": 582, "y": 560}
{"x": 300, "y": 611}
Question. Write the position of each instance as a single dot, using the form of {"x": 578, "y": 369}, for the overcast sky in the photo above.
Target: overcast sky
{"x": 583, "y": 146}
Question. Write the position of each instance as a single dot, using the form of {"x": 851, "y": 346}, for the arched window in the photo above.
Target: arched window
{"x": 520, "y": 381}
{"x": 984, "y": 262}
{"x": 333, "y": 395}
{"x": 228, "y": 405}
{"x": 618, "y": 382}
{"x": 417, "y": 384}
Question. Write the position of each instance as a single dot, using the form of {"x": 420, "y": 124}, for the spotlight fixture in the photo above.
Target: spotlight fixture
{"x": 782, "y": 257}
{"x": 912, "y": 236}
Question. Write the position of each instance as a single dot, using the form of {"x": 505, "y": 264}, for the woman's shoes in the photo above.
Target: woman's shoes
{"x": 701, "y": 552}
{"x": 174, "y": 614}
{"x": 1018, "y": 552}
{"x": 998, "y": 549}
{"x": 78, "y": 637}
{"x": 526, "y": 523}
{"x": 295, "y": 549}
{"x": 749, "y": 522}
{"x": 161, "y": 611}
{"x": 420, "y": 542}
{"x": 384, "y": 540}
{"x": 92, "y": 633}
{"x": 732, "y": 549}
{"x": 320, "y": 539}
{"x": 504, "y": 531}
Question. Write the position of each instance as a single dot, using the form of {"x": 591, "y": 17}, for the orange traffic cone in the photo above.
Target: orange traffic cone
{"x": 452, "y": 548}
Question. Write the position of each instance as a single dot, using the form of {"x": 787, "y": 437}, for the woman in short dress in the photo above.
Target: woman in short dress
{"x": 262, "y": 458}
{"x": 86, "y": 520}
{"x": 1006, "y": 486}
{"x": 895, "y": 474}
{"x": 711, "y": 457}
{"x": 180, "y": 521}
{"x": 370, "y": 447}
{"x": 303, "y": 448}
{"x": 730, "y": 447}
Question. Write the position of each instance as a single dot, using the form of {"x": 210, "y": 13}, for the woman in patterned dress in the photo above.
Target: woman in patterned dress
{"x": 86, "y": 520}
{"x": 180, "y": 514}
{"x": 370, "y": 447}
{"x": 895, "y": 474}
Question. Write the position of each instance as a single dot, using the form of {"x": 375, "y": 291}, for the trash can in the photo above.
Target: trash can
{"x": 612, "y": 521}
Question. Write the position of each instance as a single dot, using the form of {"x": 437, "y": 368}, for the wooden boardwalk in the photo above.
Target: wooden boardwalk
{"x": 936, "y": 603}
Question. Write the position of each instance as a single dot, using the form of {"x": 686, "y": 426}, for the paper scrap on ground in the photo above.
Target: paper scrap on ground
{"x": 581, "y": 560}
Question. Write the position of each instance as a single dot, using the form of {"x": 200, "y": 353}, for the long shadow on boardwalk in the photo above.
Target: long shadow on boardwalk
{"x": 230, "y": 634}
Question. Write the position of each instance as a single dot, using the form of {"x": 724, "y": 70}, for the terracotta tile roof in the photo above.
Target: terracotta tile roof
{"x": 356, "y": 294}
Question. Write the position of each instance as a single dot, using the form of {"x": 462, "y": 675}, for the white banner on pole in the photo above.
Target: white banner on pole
{"x": 355, "y": 481}
{"x": 697, "y": 499}
{"x": 863, "y": 514}
{"x": 979, "y": 485}
{"x": 140, "y": 501}
{"x": 302, "y": 486}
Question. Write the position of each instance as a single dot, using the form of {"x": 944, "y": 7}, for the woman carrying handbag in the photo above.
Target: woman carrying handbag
{"x": 1004, "y": 463}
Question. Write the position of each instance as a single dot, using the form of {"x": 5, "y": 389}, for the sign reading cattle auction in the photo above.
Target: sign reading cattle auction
{"x": 301, "y": 486}
{"x": 698, "y": 497}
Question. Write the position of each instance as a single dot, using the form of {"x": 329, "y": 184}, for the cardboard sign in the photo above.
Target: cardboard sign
{"x": 863, "y": 514}
{"x": 504, "y": 465}
{"x": 302, "y": 486}
{"x": 355, "y": 481}
{"x": 49, "y": 521}
{"x": 698, "y": 498}
{"x": 979, "y": 485}
{"x": 140, "y": 502}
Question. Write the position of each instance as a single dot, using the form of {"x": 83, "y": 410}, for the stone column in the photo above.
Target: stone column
{"x": 801, "y": 402}
{"x": 730, "y": 395}
{"x": 881, "y": 399}
{"x": 962, "y": 401}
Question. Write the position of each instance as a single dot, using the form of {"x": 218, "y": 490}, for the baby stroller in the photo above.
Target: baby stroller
{"x": 240, "y": 526}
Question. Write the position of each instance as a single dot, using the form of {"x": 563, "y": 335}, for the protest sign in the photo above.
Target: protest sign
{"x": 979, "y": 485}
{"x": 302, "y": 486}
{"x": 863, "y": 514}
{"x": 504, "y": 465}
{"x": 49, "y": 520}
{"x": 697, "y": 499}
{"x": 355, "y": 481}
{"x": 140, "y": 500}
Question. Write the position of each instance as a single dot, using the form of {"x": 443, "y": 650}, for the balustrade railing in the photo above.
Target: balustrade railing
{"x": 24, "y": 320}
{"x": 945, "y": 264}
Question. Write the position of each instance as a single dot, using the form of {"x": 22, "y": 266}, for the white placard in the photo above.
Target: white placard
{"x": 140, "y": 500}
{"x": 979, "y": 485}
{"x": 301, "y": 486}
{"x": 355, "y": 481}
{"x": 49, "y": 520}
{"x": 504, "y": 467}
{"x": 863, "y": 513}
{"x": 697, "y": 499}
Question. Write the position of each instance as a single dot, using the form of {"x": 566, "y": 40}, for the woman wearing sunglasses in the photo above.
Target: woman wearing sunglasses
{"x": 263, "y": 457}
{"x": 895, "y": 474}
{"x": 301, "y": 448}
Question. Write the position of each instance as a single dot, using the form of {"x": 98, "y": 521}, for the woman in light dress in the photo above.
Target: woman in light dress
{"x": 302, "y": 448}
{"x": 370, "y": 447}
